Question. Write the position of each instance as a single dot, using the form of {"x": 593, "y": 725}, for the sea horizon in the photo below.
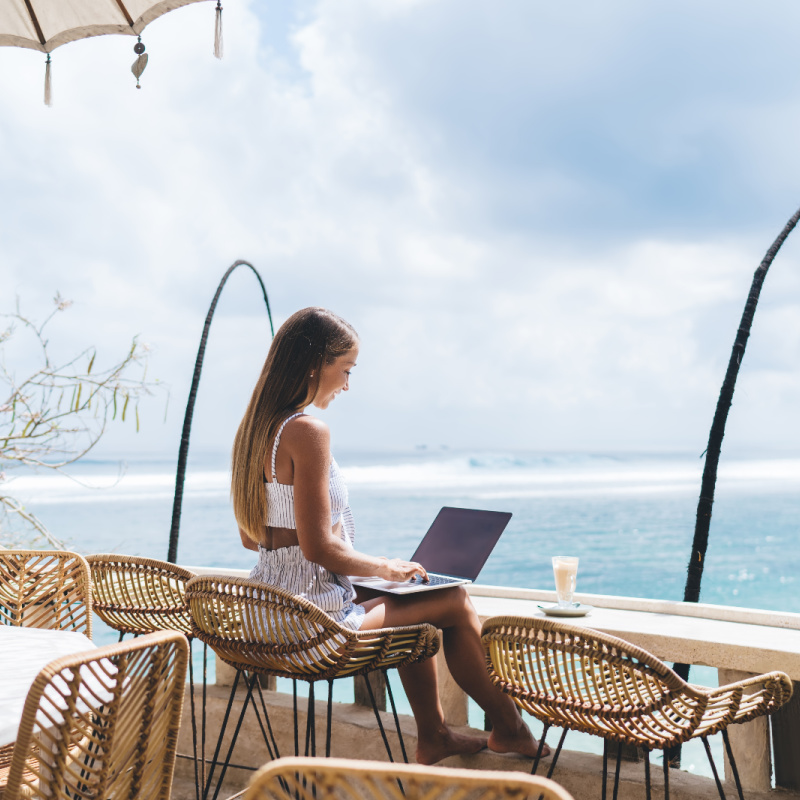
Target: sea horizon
{"x": 628, "y": 516}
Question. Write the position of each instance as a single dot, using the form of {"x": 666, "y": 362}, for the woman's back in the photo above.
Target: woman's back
{"x": 281, "y": 561}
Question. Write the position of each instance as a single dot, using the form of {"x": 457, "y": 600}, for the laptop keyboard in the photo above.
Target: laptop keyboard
{"x": 433, "y": 580}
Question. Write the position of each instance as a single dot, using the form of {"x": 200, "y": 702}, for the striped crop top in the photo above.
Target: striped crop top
{"x": 280, "y": 496}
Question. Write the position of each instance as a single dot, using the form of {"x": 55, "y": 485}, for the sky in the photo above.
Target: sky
{"x": 542, "y": 219}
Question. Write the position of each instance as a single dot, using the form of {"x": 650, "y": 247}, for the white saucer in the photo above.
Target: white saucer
{"x": 579, "y": 610}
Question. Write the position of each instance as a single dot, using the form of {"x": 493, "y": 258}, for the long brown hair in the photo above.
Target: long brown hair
{"x": 288, "y": 382}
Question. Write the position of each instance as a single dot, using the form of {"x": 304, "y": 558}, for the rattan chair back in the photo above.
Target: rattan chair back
{"x": 45, "y": 589}
{"x": 253, "y": 626}
{"x": 140, "y": 595}
{"x": 346, "y": 779}
{"x": 581, "y": 679}
{"x": 102, "y": 724}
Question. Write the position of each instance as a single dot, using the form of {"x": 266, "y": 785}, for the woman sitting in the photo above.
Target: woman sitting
{"x": 291, "y": 506}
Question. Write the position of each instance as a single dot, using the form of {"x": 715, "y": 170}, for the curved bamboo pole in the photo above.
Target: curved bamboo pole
{"x": 183, "y": 453}
{"x": 708, "y": 484}
{"x": 702, "y": 525}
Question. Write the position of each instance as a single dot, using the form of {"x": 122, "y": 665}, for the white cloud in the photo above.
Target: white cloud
{"x": 536, "y": 251}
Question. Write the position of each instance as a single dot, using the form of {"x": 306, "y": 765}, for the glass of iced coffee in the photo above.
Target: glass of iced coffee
{"x": 565, "y": 571}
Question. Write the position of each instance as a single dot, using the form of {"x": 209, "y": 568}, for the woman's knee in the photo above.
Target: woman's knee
{"x": 459, "y": 603}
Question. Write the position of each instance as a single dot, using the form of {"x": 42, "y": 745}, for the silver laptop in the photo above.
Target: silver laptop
{"x": 453, "y": 551}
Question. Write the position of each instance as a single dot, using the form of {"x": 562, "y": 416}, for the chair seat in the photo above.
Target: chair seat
{"x": 140, "y": 595}
{"x": 102, "y": 723}
{"x": 263, "y": 630}
{"x": 252, "y": 626}
{"x": 348, "y": 779}
{"x": 575, "y": 677}
{"x": 45, "y": 589}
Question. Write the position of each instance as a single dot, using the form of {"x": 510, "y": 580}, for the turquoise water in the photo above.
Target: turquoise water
{"x": 630, "y": 519}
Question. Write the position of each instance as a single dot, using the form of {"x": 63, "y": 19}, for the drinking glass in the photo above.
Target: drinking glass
{"x": 565, "y": 571}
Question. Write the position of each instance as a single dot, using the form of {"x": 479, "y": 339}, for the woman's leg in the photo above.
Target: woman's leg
{"x": 452, "y": 611}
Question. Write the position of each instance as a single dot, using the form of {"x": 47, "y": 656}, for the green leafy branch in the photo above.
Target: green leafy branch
{"x": 57, "y": 412}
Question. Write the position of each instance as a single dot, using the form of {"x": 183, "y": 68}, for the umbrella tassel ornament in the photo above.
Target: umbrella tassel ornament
{"x": 218, "y": 31}
{"x": 44, "y": 25}
{"x": 141, "y": 61}
{"x": 48, "y": 84}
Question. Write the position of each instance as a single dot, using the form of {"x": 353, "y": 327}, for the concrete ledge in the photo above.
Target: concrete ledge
{"x": 749, "y": 616}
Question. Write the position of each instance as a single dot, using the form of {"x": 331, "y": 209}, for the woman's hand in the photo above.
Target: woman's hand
{"x": 395, "y": 569}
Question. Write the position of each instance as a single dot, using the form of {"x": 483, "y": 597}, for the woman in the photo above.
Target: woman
{"x": 291, "y": 506}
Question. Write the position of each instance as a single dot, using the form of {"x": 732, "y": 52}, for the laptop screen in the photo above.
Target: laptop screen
{"x": 460, "y": 540}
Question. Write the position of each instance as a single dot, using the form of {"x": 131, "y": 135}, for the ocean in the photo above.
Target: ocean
{"x": 628, "y": 517}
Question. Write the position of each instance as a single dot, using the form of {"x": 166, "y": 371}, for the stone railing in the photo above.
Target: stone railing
{"x": 737, "y": 642}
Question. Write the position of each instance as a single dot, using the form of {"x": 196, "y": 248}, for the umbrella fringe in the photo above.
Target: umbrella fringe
{"x": 218, "y": 31}
{"x": 48, "y": 85}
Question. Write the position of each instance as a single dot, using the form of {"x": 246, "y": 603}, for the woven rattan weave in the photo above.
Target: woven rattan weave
{"x": 595, "y": 683}
{"x": 135, "y": 595}
{"x": 580, "y": 679}
{"x": 140, "y": 595}
{"x": 45, "y": 589}
{"x": 346, "y": 779}
{"x": 102, "y": 724}
{"x": 262, "y": 630}
{"x": 252, "y": 626}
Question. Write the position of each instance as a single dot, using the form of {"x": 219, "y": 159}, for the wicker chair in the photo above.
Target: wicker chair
{"x": 140, "y": 595}
{"x": 579, "y": 679}
{"x": 45, "y": 589}
{"x": 136, "y": 596}
{"x": 345, "y": 779}
{"x": 264, "y": 630}
{"x": 103, "y": 723}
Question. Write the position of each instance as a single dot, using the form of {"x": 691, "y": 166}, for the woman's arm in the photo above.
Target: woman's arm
{"x": 307, "y": 442}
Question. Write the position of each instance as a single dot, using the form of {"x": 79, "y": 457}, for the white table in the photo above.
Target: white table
{"x": 23, "y": 654}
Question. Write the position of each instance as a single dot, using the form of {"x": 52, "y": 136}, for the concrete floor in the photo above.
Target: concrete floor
{"x": 356, "y": 735}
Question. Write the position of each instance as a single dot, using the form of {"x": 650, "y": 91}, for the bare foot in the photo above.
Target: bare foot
{"x": 444, "y": 743}
{"x": 519, "y": 741}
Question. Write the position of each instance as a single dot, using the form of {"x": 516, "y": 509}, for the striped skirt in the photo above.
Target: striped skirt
{"x": 288, "y": 569}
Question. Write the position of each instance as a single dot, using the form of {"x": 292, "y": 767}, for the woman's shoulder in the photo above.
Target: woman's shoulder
{"x": 306, "y": 432}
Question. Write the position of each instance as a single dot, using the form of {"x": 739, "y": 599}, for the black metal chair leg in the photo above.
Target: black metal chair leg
{"x": 557, "y": 753}
{"x": 266, "y": 727}
{"x": 194, "y": 721}
{"x": 540, "y": 748}
{"x": 665, "y": 767}
{"x": 206, "y": 786}
{"x": 605, "y": 769}
{"x": 250, "y": 681}
{"x": 330, "y": 719}
{"x": 296, "y": 732}
{"x": 378, "y": 718}
{"x": 616, "y": 771}
{"x": 269, "y": 724}
{"x": 732, "y": 762}
{"x": 555, "y": 757}
{"x": 310, "y": 722}
{"x": 647, "y": 773}
{"x": 713, "y": 767}
{"x": 396, "y": 718}
{"x": 203, "y": 724}
{"x": 272, "y": 749}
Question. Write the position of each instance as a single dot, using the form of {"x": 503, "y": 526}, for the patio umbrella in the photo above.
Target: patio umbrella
{"x": 47, "y": 24}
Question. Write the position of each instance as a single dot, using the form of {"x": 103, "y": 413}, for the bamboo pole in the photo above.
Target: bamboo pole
{"x": 183, "y": 452}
